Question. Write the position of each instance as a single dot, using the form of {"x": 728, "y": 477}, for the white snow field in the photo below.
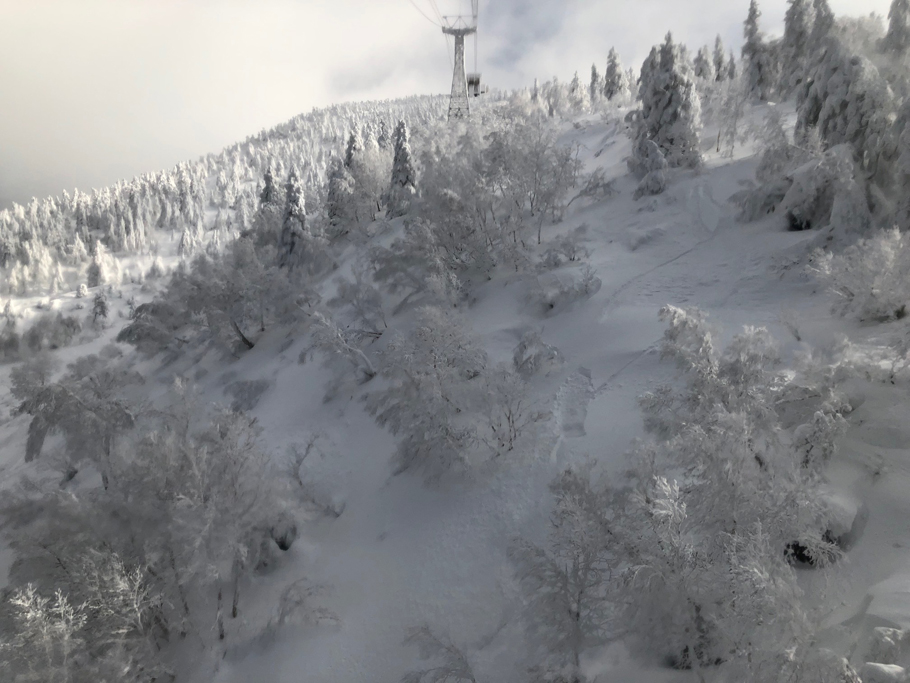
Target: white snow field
{"x": 402, "y": 553}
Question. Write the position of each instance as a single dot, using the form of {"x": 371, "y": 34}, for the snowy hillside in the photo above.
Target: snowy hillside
{"x": 587, "y": 387}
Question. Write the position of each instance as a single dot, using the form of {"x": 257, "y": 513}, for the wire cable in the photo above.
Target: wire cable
{"x": 423, "y": 14}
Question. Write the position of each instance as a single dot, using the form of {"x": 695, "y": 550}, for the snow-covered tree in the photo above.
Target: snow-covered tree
{"x": 758, "y": 66}
{"x": 340, "y": 202}
{"x": 704, "y": 65}
{"x": 434, "y": 374}
{"x": 670, "y": 110}
{"x": 847, "y": 101}
{"x": 293, "y": 239}
{"x": 708, "y": 574}
{"x": 897, "y": 40}
{"x": 404, "y": 176}
{"x": 869, "y": 279}
{"x": 795, "y": 44}
{"x": 567, "y": 583}
{"x": 720, "y": 59}
{"x": 822, "y": 26}
{"x": 615, "y": 81}
{"x": 648, "y": 164}
{"x": 595, "y": 88}
{"x": 99, "y": 308}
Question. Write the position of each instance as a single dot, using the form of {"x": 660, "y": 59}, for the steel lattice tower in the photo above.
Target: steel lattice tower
{"x": 458, "y": 103}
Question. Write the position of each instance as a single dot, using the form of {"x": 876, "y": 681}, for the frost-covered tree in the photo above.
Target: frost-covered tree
{"x": 615, "y": 82}
{"x": 99, "y": 308}
{"x": 596, "y": 86}
{"x": 404, "y": 176}
{"x": 897, "y": 40}
{"x": 794, "y": 46}
{"x": 708, "y": 574}
{"x": 567, "y": 583}
{"x": 340, "y": 202}
{"x": 433, "y": 381}
{"x": 268, "y": 193}
{"x": 869, "y": 279}
{"x": 670, "y": 113}
{"x": 704, "y": 65}
{"x": 822, "y": 26}
{"x": 758, "y": 67}
{"x": 720, "y": 59}
{"x": 294, "y": 234}
{"x": 847, "y": 101}
{"x": 648, "y": 164}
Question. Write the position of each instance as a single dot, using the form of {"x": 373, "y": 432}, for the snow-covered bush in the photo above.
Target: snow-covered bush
{"x": 648, "y": 164}
{"x": 533, "y": 356}
{"x": 555, "y": 291}
{"x": 869, "y": 278}
{"x": 449, "y": 661}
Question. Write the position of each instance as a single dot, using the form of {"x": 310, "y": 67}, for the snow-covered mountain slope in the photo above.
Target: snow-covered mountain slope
{"x": 397, "y": 552}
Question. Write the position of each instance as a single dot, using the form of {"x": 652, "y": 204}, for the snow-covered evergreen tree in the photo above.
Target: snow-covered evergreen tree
{"x": 720, "y": 59}
{"x": 758, "y": 64}
{"x": 897, "y": 40}
{"x": 794, "y": 46}
{"x": 294, "y": 227}
{"x": 671, "y": 112}
{"x": 614, "y": 79}
{"x": 847, "y": 101}
{"x": 595, "y": 88}
{"x": 704, "y": 65}
{"x": 340, "y": 204}
{"x": 404, "y": 177}
{"x": 822, "y": 25}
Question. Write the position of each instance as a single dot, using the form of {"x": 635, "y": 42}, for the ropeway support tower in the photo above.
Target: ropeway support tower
{"x": 460, "y": 27}
{"x": 458, "y": 102}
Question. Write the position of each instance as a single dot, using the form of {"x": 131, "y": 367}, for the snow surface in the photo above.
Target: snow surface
{"x": 402, "y": 553}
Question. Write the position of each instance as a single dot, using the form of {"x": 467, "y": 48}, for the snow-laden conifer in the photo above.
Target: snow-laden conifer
{"x": 794, "y": 46}
{"x": 897, "y": 40}
{"x": 704, "y": 64}
{"x": 847, "y": 101}
{"x": 294, "y": 227}
{"x": 615, "y": 81}
{"x": 720, "y": 59}
{"x": 404, "y": 176}
{"x": 670, "y": 109}
{"x": 758, "y": 66}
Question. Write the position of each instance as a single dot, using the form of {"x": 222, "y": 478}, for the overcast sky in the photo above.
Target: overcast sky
{"x": 92, "y": 91}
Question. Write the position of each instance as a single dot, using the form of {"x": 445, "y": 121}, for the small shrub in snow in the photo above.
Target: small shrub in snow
{"x": 450, "y": 664}
{"x": 532, "y": 356}
{"x": 556, "y": 291}
{"x": 566, "y": 249}
{"x": 870, "y": 278}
